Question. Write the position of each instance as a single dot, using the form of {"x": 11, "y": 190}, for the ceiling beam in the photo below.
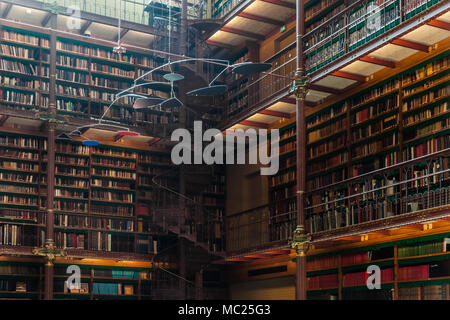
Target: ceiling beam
{"x": 289, "y": 100}
{"x": 261, "y": 19}
{"x": 410, "y": 45}
{"x": 7, "y": 11}
{"x": 275, "y": 113}
{"x": 350, "y": 76}
{"x": 317, "y": 87}
{"x": 377, "y": 61}
{"x": 243, "y": 33}
{"x": 255, "y": 124}
{"x": 281, "y": 3}
{"x": 439, "y": 24}
{"x": 85, "y": 26}
{"x": 218, "y": 44}
{"x": 46, "y": 19}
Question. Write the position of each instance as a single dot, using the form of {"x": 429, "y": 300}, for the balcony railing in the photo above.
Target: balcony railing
{"x": 257, "y": 229}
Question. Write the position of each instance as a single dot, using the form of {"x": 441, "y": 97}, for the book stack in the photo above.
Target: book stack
{"x": 413, "y": 273}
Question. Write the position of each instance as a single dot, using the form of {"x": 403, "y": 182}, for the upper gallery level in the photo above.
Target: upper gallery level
{"x": 345, "y": 45}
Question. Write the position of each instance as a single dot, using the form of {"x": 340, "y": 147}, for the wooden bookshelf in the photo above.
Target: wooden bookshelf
{"x": 88, "y": 76}
{"x": 327, "y": 273}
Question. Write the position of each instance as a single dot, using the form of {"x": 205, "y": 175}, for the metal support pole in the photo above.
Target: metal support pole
{"x": 300, "y": 239}
{"x": 49, "y": 241}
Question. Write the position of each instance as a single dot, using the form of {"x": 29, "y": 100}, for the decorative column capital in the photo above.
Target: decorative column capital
{"x": 50, "y": 251}
{"x": 299, "y": 86}
{"x": 301, "y": 242}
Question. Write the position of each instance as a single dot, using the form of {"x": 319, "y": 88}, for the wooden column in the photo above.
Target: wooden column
{"x": 301, "y": 154}
{"x": 51, "y": 160}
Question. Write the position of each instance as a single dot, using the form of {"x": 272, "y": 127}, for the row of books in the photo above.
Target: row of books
{"x": 65, "y": 193}
{"x": 334, "y": 127}
{"x": 113, "y": 288}
{"x": 72, "y": 171}
{"x": 327, "y": 146}
{"x": 427, "y": 97}
{"x": 24, "y": 38}
{"x": 343, "y": 216}
{"x": 430, "y": 146}
{"x": 14, "y": 235}
{"x": 284, "y": 178}
{"x": 111, "y": 184}
{"x": 383, "y": 19}
{"x": 327, "y": 163}
{"x": 323, "y": 180}
{"x": 17, "y": 200}
{"x": 374, "y": 128}
{"x": 104, "y": 68}
{"x": 425, "y": 130}
{"x": 19, "y": 52}
{"x": 420, "y": 272}
{"x": 70, "y": 148}
{"x": 73, "y": 62}
{"x": 423, "y": 85}
{"x": 374, "y": 93}
{"x": 71, "y": 91}
{"x": 18, "y": 189}
{"x": 23, "y": 166}
{"x": 420, "y": 249}
{"x": 72, "y": 106}
{"x": 417, "y": 174}
{"x": 124, "y": 164}
{"x": 18, "y": 177}
{"x": 78, "y": 161}
{"x": 20, "y": 82}
{"x": 360, "y": 278}
{"x": 73, "y": 76}
{"x": 287, "y": 147}
{"x": 23, "y": 68}
{"x": 15, "y": 154}
{"x": 378, "y": 162}
{"x": 324, "y": 32}
{"x": 76, "y": 221}
{"x": 320, "y": 6}
{"x": 425, "y": 114}
{"x": 372, "y": 111}
{"x": 11, "y": 214}
{"x": 112, "y": 196}
{"x": 112, "y": 173}
{"x": 422, "y": 72}
{"x": 286, "y": 134}
{"x": 325, "y": 53}
{"x": 356, "y": 212}
{"x": 18, "y": 97}
{"x": 123, "y": 211}
{"x": 433, "y": 292}
{"x": 327, "y": 114}
{"x": 323, "y": 282}
{"x": 381, "y": 144}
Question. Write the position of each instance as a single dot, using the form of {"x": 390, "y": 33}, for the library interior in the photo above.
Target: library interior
{"x": 94, "y": 207}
